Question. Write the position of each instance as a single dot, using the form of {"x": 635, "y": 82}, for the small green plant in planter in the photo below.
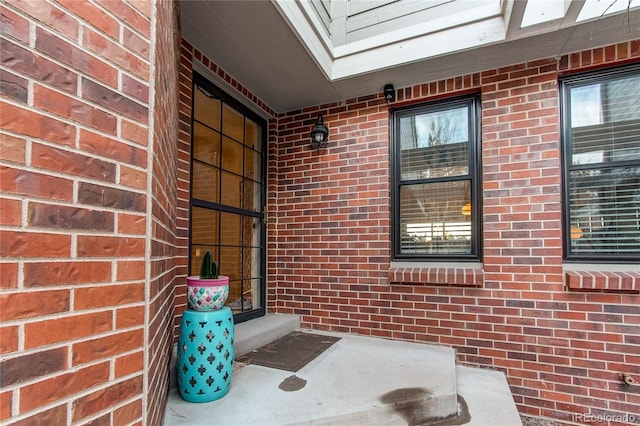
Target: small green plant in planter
{"x": 209, "y": 290}
{"x": 209, "y": 268}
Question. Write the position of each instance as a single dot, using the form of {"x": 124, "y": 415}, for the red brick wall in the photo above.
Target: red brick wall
{"x": 75, "y": 161}
{"x": 184, "y": 171}
{"x": 329, "y": 249}
{"x": 168, "y": 241}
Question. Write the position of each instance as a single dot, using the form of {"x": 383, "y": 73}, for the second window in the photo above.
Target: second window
{"x": 436, "y": 184}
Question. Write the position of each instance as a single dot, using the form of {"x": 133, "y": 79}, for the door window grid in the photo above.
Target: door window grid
{"x": 227, "y": 196}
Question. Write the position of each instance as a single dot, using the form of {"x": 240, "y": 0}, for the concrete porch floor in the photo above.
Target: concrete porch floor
{"x": 357, "y": 381}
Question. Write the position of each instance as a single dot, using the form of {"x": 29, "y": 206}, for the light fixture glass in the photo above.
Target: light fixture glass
{"x": 576, "y": 233}
{"x": 466, "y": 209}
{"x": 319, "y": 134}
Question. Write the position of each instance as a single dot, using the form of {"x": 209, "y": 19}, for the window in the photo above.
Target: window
{"x": 601, "y": 140}
{"x": 436, "y": 185}
{"x": 227, "y": 195}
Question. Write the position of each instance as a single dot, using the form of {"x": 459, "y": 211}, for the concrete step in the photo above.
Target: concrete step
{"x": 252, "y": 334}
{"x": 358, "y": 380}
{"x": 375, "y": 381}
{"x": 485, "y": 398}
{"x": 355, "y": 379}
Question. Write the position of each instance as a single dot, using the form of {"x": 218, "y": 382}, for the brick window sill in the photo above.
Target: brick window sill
{"x": 602, "y": 277}
{"x": 437, "y": 273}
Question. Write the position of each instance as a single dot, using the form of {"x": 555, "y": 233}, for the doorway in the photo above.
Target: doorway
{"x": 228, "y": 193}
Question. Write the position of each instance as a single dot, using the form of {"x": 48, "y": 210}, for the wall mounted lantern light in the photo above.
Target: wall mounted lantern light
{"x": 319, "y": 134}
{"x": 389, "y": 93}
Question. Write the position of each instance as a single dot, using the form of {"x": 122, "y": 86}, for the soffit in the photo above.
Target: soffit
{"x": 292, "y": 56}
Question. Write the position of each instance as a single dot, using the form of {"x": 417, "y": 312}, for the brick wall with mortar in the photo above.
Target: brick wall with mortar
{"x": 562, "y": 349}
{"x": 78, "y": 143}
{"x": 169, "y": 231}
{"x": 328, "y": 221}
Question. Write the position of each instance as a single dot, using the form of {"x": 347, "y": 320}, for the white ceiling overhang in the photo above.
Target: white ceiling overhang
{"x": 464, "y": 28}
{"x": 297, "y": 53}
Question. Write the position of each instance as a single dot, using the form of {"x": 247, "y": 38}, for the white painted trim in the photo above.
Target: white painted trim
{"x": 442, "y": 23}
{"x": 437, "y": 44}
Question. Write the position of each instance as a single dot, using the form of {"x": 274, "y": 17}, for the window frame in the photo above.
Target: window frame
{"x": 566, "y": 83}
{"x": 474, "y": 175}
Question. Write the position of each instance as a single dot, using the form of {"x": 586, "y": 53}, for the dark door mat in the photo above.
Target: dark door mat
{"x": 290, "y": 352}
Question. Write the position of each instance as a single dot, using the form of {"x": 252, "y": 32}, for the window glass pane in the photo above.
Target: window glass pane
{"x": 205, "y": 182}
{"x": 605, "y": 121}
{"x": 603, "y": 217}
{"x": 605, "y": 210}
{"x": 435, "y": 144}
{"x": 231, "y": 189}
{"x": 435, "y": 218}
{"x": 232, "y": 123}
{"x": 206, "y": 108}
{"x": 206, "y": 144}
{"x": 231, "y": 155}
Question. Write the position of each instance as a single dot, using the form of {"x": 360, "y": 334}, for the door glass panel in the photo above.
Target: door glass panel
{"x": 230, "y": 229}
{"x": 250, "y": 262}
{"x": 197, "y": 253}
{"x": 232, "y": 123}
{"x": 251, "y": 199}
{"x": 231, "y": 155}
{"x": 206, "y": 108}
{"x": 249, "y": 300}
{"x": 252, "y": 135}
{"x": 206, "y": 145}
{"x": 205, "y": 226}
{"x": 205, "y": 182}
{"x": 231, "y": 262}
{"x": 252, "y": 164}
{"x": 232, "y": 189}
{"x": 250, "y": 233}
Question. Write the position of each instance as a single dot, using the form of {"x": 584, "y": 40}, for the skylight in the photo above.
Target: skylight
{"x": 539, "y": 11}
{"x": 596, "y": 8}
